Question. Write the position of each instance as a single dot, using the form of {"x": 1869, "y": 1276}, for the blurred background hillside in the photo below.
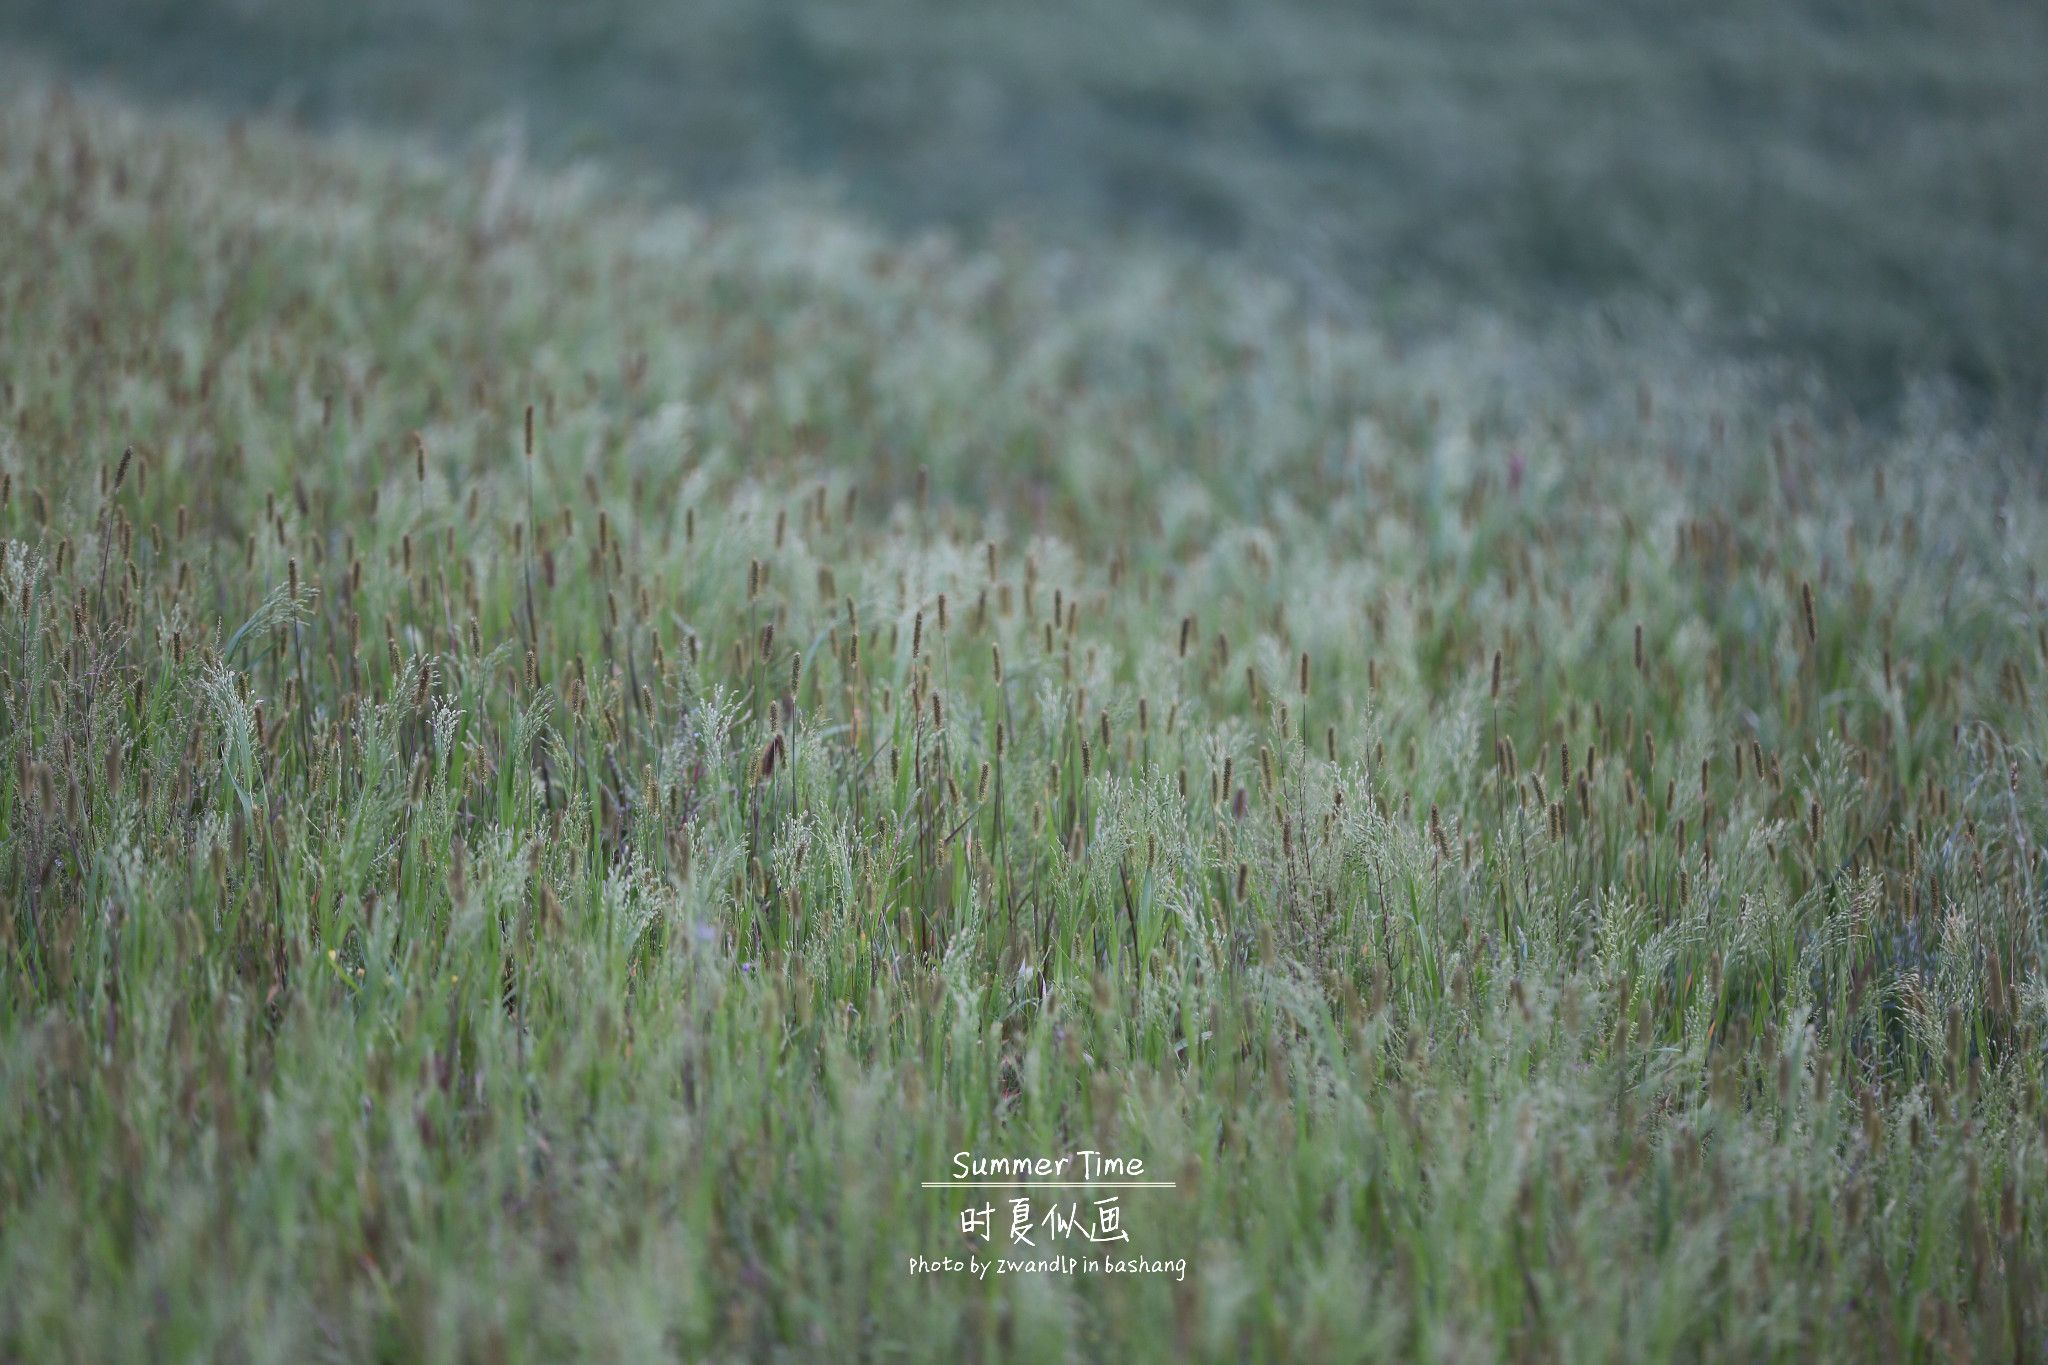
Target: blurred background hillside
{"x": 1857, "y": 185}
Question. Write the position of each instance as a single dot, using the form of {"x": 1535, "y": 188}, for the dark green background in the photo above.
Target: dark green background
{"x": 1864, "y": 185}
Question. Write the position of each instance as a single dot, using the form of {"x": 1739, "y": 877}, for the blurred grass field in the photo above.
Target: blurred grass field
{"x": 1855, "y": 186}
{"x": 562, "y": 756}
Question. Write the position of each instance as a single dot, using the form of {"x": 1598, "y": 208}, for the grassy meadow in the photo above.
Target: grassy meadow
{"x": 563, "y": 756}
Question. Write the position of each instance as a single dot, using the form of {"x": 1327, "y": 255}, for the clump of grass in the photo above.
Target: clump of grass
{"x": 577, "y": 973}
